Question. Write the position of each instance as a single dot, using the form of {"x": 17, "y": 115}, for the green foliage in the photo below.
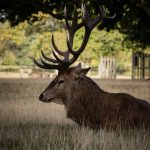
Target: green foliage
{"x": 25, "y": 40}
{"x": 124, "y": 62}
{"x": 5, "y": 38}
{"x": 110, "y": 42}
{"x": 9, "y": 58}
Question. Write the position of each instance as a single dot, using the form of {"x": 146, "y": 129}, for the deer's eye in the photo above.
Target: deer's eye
{"x": 60, "y": 82}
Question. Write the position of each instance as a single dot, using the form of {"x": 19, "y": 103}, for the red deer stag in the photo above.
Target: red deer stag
{"x": 84, "y": 101}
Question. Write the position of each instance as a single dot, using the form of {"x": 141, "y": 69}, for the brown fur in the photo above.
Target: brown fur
{"x": 90, "y": 106}
{"x": 96, "y": 108}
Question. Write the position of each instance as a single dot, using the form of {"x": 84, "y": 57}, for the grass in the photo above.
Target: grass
{"x": 28, "y": 124}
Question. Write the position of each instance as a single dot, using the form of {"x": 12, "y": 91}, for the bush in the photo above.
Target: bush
{"x": 9, "y": 58}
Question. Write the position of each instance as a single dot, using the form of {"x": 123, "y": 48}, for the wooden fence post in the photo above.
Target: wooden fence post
{"x": 140, "y": 66}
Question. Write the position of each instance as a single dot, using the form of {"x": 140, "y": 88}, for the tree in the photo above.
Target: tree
{"x": 24, "y": 41}
{"x": 9, "y": 58}
{"x": 132, "y": 17}
{"x": 7, "y": 39}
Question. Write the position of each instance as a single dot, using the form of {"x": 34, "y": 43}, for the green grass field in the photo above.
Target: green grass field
{"x": 28, "y": 124}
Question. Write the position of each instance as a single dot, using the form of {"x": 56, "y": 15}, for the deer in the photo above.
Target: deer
{"x": 85, "y": 102}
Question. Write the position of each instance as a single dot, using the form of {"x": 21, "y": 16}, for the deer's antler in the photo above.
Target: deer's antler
{"x": 88, "y": 23}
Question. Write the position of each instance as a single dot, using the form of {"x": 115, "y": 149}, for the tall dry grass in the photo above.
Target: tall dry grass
{"x": 28, "y": 124}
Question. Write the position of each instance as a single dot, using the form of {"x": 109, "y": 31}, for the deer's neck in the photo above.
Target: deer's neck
{"x": 84, "y": 96}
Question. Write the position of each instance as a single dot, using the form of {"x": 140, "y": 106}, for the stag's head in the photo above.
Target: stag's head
{"x": 63, "y": 85}
{"x": 67, "y": 77}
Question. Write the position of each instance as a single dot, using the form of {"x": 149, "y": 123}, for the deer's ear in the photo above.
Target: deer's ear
{"x": 80, "y": 71}
{"x": 83, "y": 71}
{"x": 79, "y": 66}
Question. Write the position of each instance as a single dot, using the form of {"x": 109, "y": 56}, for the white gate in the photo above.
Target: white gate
{"x": 107, "y": 68}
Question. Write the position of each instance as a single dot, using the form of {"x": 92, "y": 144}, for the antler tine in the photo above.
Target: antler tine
{"x": 57, "y": 58}
{"x": 45, "y": 65}
{"x": 39, "y": 65}
{"x": 70, "y": 47}
{"x": 50, "y": 66}
{"x": 66, "y": 18}
{"x": 75, "y": 18}
{"x": 55, "y": 47}
{"x": 47, "y": 58}
{"x": 102, "y": 11}
{"x": 104, "y": 14}
{"x": 85, "y": 14}
{"x": 101, "y": 16}
{"x": 91, "y": 23}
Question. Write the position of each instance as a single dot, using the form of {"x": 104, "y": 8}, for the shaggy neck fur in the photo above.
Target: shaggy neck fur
{"x": 83, "y": 103}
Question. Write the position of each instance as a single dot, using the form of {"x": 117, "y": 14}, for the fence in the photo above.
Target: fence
{"x": 24, "y": 72}
{"x": 107, "y": 68}
{"x": 140, "y": 66}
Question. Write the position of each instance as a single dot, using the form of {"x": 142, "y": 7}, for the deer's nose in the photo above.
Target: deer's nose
{"x": 41, "y": 97}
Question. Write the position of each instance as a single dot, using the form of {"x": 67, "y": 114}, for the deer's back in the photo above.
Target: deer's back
{"x": 125, "y": 110}
{"x": 109, "y": 110}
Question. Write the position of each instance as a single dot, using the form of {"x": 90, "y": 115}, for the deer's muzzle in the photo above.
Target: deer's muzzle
{"x": 41, "y": 97}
